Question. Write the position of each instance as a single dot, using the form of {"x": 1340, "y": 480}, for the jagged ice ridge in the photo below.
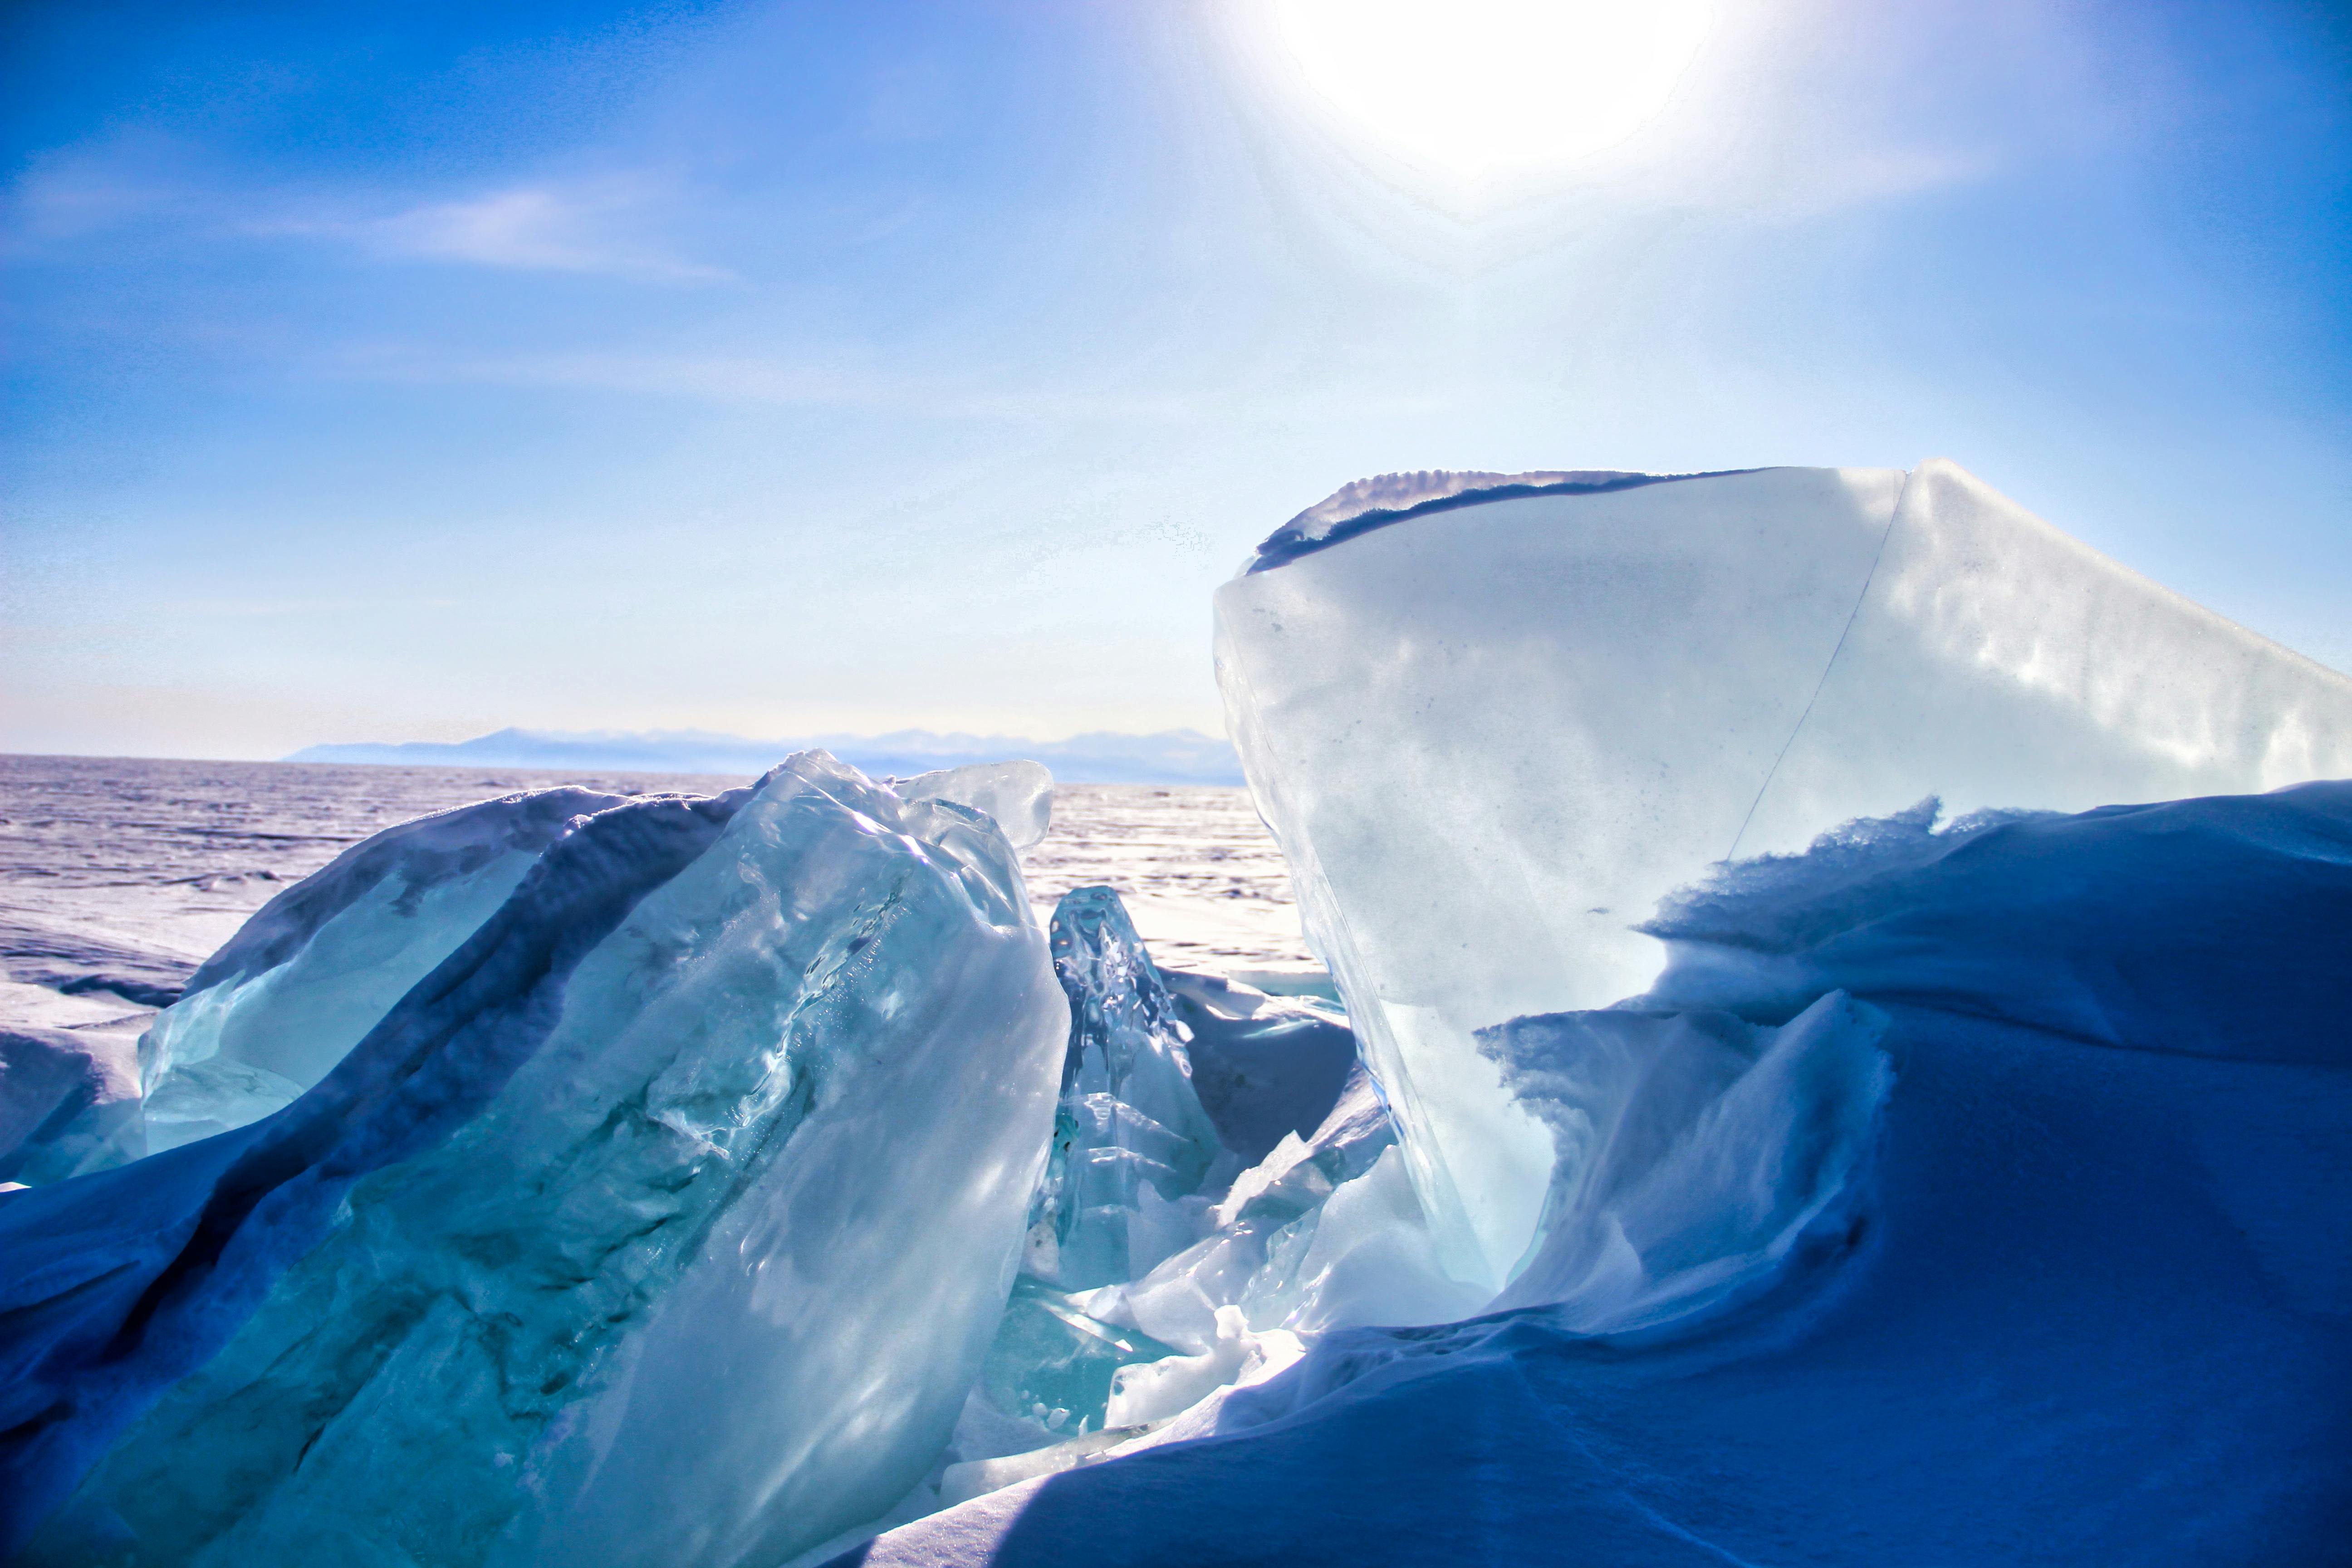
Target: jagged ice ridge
{"x": 1743, "y": 1161}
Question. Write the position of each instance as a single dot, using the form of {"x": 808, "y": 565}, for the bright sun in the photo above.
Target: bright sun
{"x": 1481, "y": 87}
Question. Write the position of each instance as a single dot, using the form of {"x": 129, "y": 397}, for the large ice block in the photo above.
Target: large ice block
{"x": 665, "y": 1222}
{"x": 1494, "y": 723}
{"x": 269, "y": 1014}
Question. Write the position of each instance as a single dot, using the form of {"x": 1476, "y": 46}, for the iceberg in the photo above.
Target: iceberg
{"x": 666, "y": 1219}
{"x": 1495, "y": 719}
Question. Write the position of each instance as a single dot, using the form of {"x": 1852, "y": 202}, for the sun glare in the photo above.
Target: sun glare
{"x": 1477, "y": 88}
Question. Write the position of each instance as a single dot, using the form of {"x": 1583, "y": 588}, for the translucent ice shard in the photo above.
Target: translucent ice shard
{"x": 1222, "y": 1170}
{"x": 269, "y": 1014}
{"x": 664, "y": 1221}
{"x": 1130, "y": 1137}
{"x": 1053, "y": 1361}
{"x": 1494, "y": 724}
{"x": 317, "y": 966}
{"x": 1017, "y": 796}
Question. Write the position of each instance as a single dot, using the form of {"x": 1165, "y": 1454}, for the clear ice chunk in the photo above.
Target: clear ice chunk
{"x": 1494, "y": 724}
{"x": 267, "y": 1015}
{"x": 1131, "y": 1136}
{"x": 317, "y": 966}
{"x": 666, "y": 1221}
{"x": 1017, "y": 796}
{"x": 1168, "y": 1259}
{"x": 1054, "y": 1363}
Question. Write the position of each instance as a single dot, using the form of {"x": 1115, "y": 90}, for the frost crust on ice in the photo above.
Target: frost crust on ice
{"x": 1365, "y": 505}
{"x": 666, "y": 1220}
{"x": 67, "y": 1102}
{"x": 1901, "y": 909}
{"x": 1491, "y": 737}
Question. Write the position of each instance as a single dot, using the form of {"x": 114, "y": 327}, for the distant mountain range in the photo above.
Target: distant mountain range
{"x": 1171, "y": 756}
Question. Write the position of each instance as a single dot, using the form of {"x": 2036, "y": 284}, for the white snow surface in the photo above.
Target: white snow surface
{"x": 1491, "y": 737}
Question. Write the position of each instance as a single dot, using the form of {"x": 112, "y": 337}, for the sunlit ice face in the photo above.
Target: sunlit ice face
{"x": 1481, "y": 90}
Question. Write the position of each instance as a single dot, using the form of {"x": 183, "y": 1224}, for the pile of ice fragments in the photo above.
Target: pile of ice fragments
{"x": 1842, "y": 1061}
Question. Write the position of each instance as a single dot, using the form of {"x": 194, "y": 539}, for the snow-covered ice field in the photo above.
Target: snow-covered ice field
{"x": 137, "y": 868}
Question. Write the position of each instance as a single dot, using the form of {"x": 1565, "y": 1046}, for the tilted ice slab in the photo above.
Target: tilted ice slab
{"x": 1494, "y": 724}
{"x": 269, "y": 1014}
{"x": 314, "y": 969}
{"x": 664, "y": 1221}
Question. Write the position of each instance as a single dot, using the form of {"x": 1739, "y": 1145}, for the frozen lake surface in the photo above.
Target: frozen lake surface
{"x": 119, "y": 875}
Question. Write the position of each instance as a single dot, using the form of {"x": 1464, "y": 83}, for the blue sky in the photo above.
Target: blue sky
{"x": 778, "y": 368}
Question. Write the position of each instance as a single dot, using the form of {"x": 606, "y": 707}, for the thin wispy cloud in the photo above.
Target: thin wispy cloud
{"x": 600, "y": 228}
{"x": 65, "y": 197}
{"x": 611, "y": 226}
{"x": 851, "y": 380}
{"x": 713, "y": 378}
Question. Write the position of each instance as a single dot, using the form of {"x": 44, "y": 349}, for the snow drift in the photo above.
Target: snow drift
{"x": 2081, "y": 1297}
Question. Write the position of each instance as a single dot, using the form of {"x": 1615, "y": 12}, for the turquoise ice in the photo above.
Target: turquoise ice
{"x": 664, "y": 1221}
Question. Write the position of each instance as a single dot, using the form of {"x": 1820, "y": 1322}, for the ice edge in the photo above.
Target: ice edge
{"x": 1364, "y": 505}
